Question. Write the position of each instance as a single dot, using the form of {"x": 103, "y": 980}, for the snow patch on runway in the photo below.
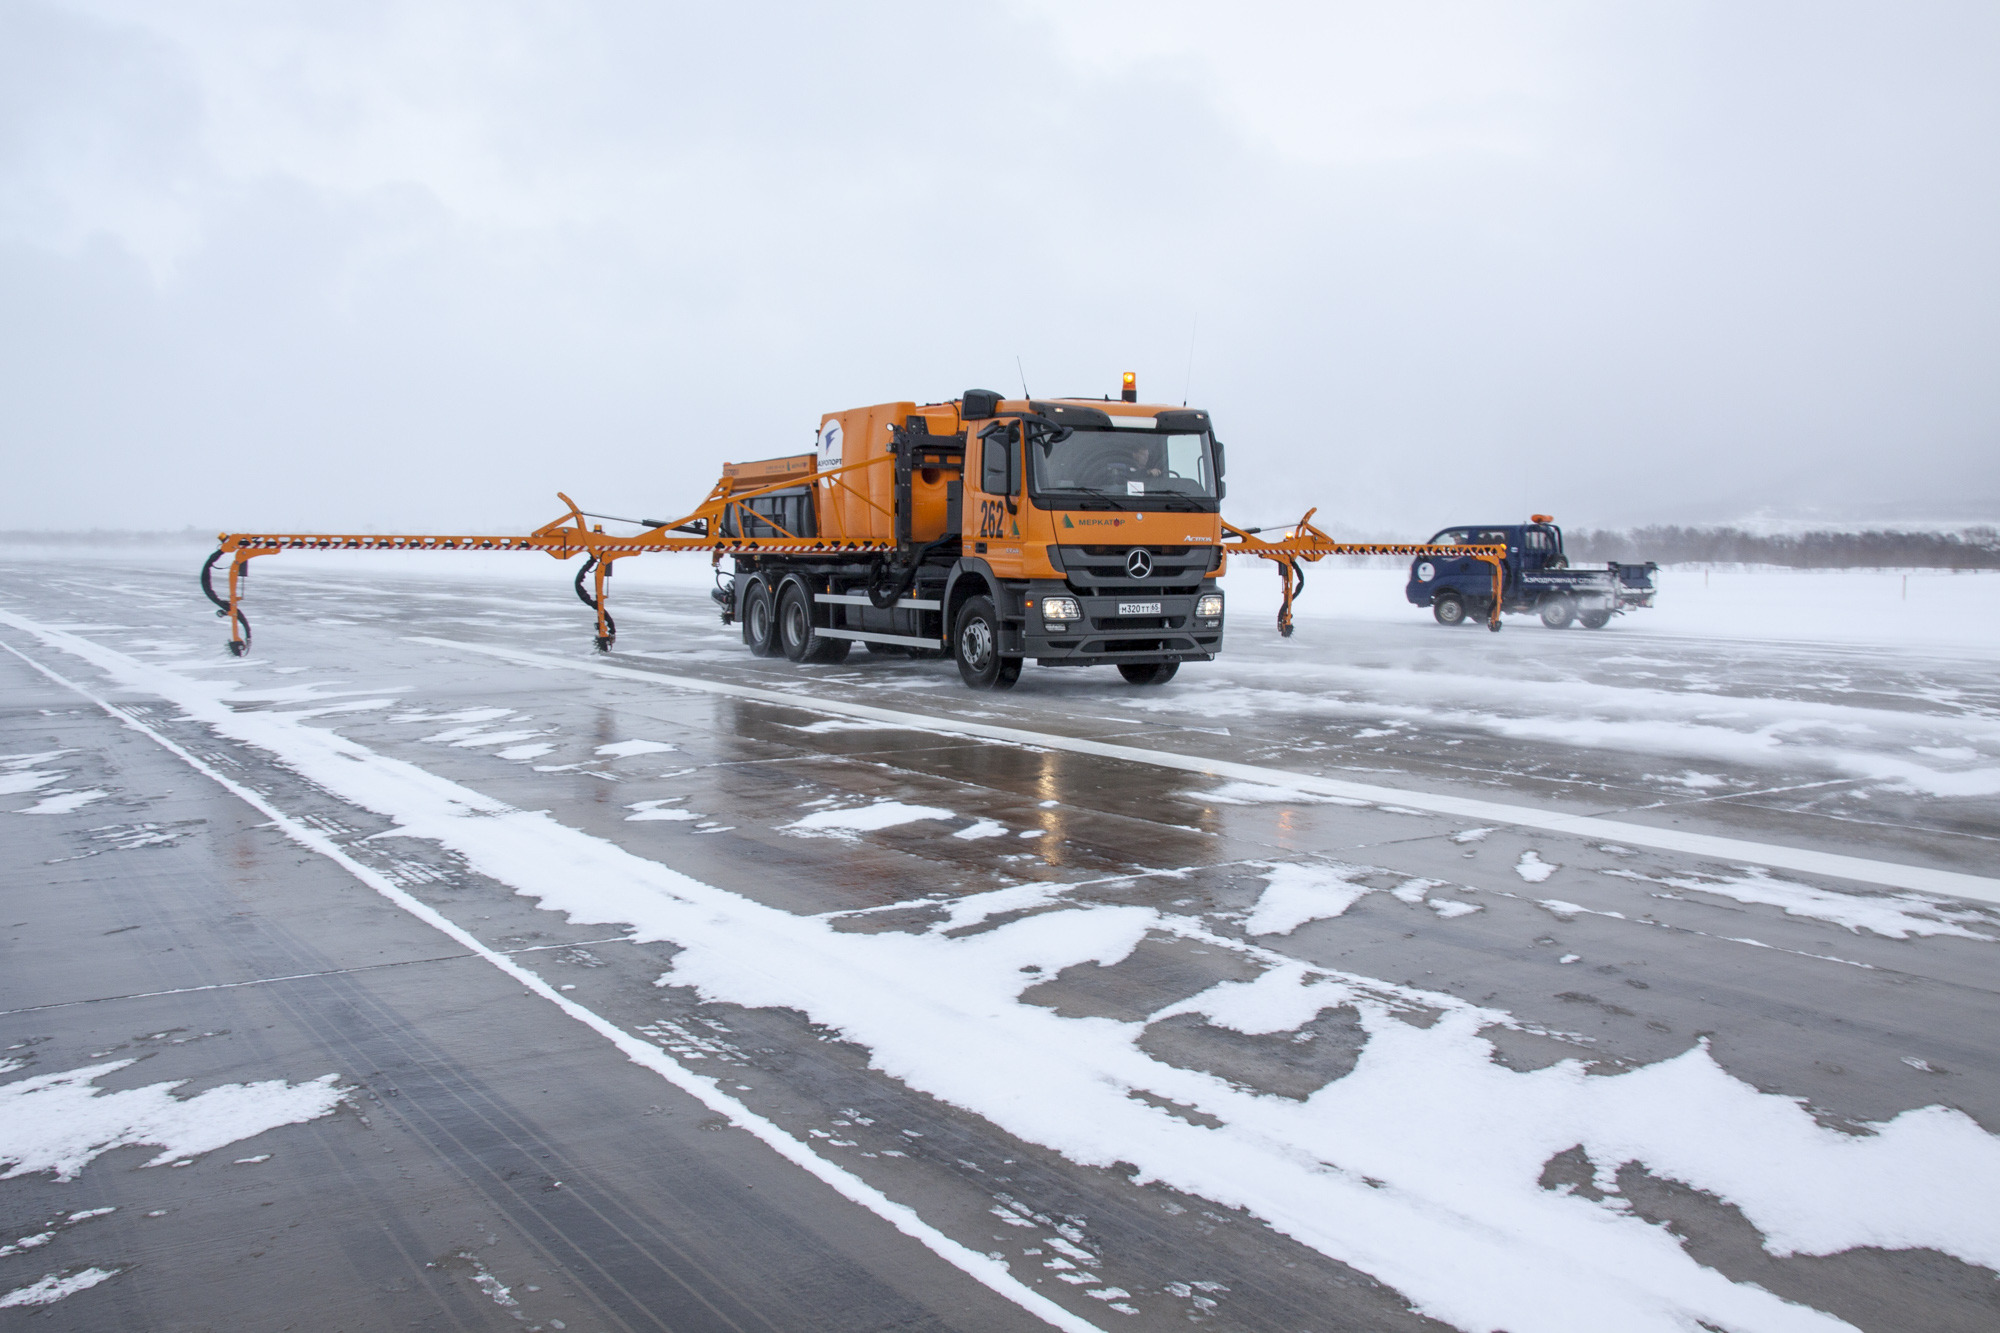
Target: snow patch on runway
{"x": 865, "y": 818}
{"x": 1296, "y": 894}
{"x": 626, "y": 749}
{"x": 55, "y": 1287}
{"x": 1420, "y": 1167}
{"x": 62, "y": 803}
{"x": 1894, "y": 915}
{"x": 13, "y": 784}
{"x": 1689, "y": 723}
{"x": 649, "y": 810}
{"x": 1533, "y": 868}
{"x": 1256, "y": 793}
{"x": 59, "y": 1123}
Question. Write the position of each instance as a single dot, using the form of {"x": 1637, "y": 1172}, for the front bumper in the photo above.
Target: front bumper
{"x": 1110, "y": 632}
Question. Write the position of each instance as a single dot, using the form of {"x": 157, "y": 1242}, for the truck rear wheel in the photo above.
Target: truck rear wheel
{"x": 975, "y": 641}
{"x": 795, "y": 629}
{"x": 1148, "y": 673}
{"x": 760, "y": 620}
{"x": 1557, "y": 612}
{"x": 1595, "y": 619}
{"x": 795, "y": 623}
{"x": 1448, "y": 607}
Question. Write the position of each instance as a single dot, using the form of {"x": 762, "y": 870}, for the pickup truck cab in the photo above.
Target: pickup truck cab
{"x": 1536, "y": 579}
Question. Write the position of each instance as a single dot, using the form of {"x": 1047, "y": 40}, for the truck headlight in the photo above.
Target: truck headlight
{"x": 1061, "y": 608}
{"x": 1209, "y": 607}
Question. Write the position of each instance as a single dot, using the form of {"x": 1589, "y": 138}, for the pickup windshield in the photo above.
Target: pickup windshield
{"x": 1468, "y": 537}
{"x": 1129, "y": 465}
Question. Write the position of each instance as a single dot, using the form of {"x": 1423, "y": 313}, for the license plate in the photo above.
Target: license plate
{"x": 1138, "y": 608}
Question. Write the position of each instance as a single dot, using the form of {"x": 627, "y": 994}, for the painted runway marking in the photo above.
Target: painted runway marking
{"x": 987, "y": 1271}
{"x": 1889, "y": 874}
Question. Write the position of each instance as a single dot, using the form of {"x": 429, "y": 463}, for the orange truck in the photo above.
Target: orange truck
{"x": 1069, "y": 531}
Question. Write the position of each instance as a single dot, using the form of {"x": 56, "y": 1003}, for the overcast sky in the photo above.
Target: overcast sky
{"x": 417, "y": 266}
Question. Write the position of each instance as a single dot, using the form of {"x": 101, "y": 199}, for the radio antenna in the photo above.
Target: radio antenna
{"x": 1187, "y": 385}
{"x": 1024, "y": 377}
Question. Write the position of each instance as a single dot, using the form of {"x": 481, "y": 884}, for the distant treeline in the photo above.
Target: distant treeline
{"x": 108, "y": 537}
{"x": 1972, "y": 548}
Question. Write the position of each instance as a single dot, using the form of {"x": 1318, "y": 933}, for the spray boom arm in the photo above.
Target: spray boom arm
{"x": 706, "y": 529}
{"x": 1309, "y": 544}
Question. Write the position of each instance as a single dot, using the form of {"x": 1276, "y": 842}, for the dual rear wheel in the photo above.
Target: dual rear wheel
{"x": 782, "y": 624}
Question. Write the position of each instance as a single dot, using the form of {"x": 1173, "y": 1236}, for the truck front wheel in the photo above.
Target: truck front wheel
{"x": 975, "y": 642}
{"x": 1148, "y": 673}
{"x": 760, "y": 620}
{"x": 1448, "y": 607}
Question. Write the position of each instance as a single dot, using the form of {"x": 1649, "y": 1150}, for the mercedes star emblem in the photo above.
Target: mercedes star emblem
{"x": 1138, "y": 563}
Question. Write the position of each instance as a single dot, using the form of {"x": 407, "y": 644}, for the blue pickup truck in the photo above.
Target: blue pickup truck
{"x": 1536, "y": 579}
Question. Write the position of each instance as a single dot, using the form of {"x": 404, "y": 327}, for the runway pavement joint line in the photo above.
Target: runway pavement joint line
{"x": 231, "y": 985}
{"x": 1863, "y": 870}
{"x": 989, "y": 1272}
{"x": 297, "y": 976}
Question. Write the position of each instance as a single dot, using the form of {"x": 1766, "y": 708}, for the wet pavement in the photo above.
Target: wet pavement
{"x": 494, "y": 1161}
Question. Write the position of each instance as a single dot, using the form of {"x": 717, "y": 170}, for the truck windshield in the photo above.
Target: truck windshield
{"x": 1124, "y": 463}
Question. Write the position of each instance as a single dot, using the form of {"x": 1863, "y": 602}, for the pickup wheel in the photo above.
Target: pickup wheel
{"x": 1148, "y": 673}
{"x": 1595, "y": 619}
{"x": 1557, "y": 612}
{"x": 760, "y": 620}
{"x": 1448, "y": 607}
{"x": 975, "y": 641}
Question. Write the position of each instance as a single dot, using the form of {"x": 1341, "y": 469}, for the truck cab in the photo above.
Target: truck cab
{"x": 1093, "y": 526}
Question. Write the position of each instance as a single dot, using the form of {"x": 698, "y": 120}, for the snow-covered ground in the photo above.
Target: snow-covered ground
{"x": 1808, "y": 710}
{"x": 1928, "y": 608}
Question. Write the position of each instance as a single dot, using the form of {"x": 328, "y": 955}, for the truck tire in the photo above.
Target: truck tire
{"x": 975, "y": 641}
{"x": 760, "y": 620}
{"x": 1149, "y": 673}
{"x": 1595, "y": 619}
{"x": 795, "y": 623}
{"x": 1557, "y": 612}
{"x": 1448, "y": 607}
{"x": 795, "y": 629}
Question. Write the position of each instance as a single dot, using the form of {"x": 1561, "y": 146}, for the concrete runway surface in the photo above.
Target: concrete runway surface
{"x": 675, "y": 989}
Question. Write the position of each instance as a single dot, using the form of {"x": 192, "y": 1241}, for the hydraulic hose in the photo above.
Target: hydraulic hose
{"x": 610, "y": 625}
{"x": 882, "y": 599}
{"x": 222, "y": 606}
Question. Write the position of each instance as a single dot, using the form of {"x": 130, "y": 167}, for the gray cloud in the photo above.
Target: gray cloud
{"x": 421, "y": 265}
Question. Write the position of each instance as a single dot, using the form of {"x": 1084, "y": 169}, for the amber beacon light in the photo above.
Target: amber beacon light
{"x": 1130, "y": 393}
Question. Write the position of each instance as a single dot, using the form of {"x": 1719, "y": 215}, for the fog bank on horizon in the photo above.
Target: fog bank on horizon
{"x": 419, "y": 266}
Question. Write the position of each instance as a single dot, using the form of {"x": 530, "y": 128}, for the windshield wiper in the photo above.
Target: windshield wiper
{"x": 1159, "y": 502}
